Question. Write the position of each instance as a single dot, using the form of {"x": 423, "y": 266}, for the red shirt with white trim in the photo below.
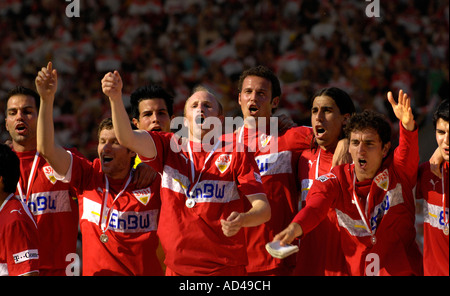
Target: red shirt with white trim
{"x": 19, "y": 251}
{"x": 391, "y": 209}
{"x": 277, "y": 157}
{"x": 132, "y": 239}
{"x": 313, "y": 259}
{"x": 435, "y": 242}
{"x": 55, "y": 211}
{"x": 192, "y": 238}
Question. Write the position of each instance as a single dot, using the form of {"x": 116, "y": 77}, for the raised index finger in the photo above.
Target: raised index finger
{"x": 50, "y": 67}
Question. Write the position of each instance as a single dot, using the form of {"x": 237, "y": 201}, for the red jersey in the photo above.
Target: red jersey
{"x": 131, "y": 220}
{"x": 313, "y": 259}
{"x": 216, "y": 183}
{"x": 384, "y": 242}
{"x": 436, "y": 242}
{"x": 278, "y": 168}
{"x": 19, "y": 252}
{"x": 54, "y": 209}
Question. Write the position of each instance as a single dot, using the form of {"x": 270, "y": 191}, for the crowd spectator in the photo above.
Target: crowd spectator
{"x": 309, "y": 44}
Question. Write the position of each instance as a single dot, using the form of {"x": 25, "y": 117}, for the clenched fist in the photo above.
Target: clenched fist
{"x": 47, "y": 82}
{"x": 112, "y": 85}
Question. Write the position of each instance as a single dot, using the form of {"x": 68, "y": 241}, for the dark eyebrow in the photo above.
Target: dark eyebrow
{"x": 255, "y": 89}
{"x": 323, "y": 107}
{"x": 23, "y": 108}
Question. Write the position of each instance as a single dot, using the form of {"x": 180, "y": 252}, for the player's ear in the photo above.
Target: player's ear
{"x": 386, "y": 149}
{"x": 135, "y": 122}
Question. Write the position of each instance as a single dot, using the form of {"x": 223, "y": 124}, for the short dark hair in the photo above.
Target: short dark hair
{"x": 441, "y": 112}
{"x": 107, "y": 124}
{"x": 264, "y": 72}
{"x": 9, "y": 168}
{"x": 340, "y": 97}
{"x": 148, "y": 92}
{"x": 22, "y": 90}
{"x": 369, "y": 119}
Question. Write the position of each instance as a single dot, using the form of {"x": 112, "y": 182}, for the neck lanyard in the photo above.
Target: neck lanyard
{"x": 316, "y": 174}
{"x": 241, "y": 132}
{"x": 103, "y": 223}
{"x": 5, "y": 201}
{"x": 191, "y": 189}
{"x": 444, "y": 215}
{"x": 364, "y": 215}
{"x": 30, "y": 180}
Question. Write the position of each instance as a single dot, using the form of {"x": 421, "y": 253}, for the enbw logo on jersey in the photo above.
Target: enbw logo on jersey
{"x": 209, "y": 191}
{"x": 49, "y": 202}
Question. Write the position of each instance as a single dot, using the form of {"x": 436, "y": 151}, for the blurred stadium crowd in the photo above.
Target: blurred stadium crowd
{"x": 310, "y": 44}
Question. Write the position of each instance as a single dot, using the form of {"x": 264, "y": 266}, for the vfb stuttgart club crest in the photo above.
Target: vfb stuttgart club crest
{"x": 223, "y": 162}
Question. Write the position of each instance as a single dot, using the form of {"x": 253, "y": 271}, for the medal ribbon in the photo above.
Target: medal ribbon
{"x": 364, "y": 215}
{"x": 31, "y": 179}
{"x": 444, "y": 216}
{"x": 104, "y": 225}
{"x": 316, "y": 174}
{"x": 189, "y": 188}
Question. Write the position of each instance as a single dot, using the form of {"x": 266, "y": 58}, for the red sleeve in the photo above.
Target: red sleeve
{"x": 82, "y": 172}
{"x": 406, "y": 155}
{"x": 320, "y": 198}
{"x": 75, "y": 151}
{"x": 301, "y": 137}
{"x": 22, "y": 250}
{"x": 162, "y": 142}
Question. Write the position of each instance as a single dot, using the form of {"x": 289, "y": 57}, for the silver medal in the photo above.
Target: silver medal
{"x": 104, "y": 238}
{"x": 190, "y": 203}
{"x": 445, "y": 230}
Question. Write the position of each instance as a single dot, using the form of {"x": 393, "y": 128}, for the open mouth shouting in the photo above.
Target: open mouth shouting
{"x": 253, "y": 109}
{"x": 200, "y": 119}
{"x": 106, "y": 159}
{"x": 21, "y": 128}
{"x": 362, "y": 163}
{"x": 319, "y": 131}
{"x": 156, "y": 128}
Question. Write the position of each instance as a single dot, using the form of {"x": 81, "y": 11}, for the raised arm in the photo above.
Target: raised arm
{"x": 136, "y": 140}
{"x": 402, "y": 109}
{"x": 406, "y": 155}
{"x": 46, "y": 85}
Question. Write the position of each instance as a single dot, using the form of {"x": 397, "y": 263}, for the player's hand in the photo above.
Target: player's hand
{"x": 287, "y": 235}
{"x": 143, "y": 176}
{"x": 112, "y": 85}
{"x": 402, "y": 109}
{"x": 436, "y": 161}
{"x": 47, "y": 82}
{"x": 285, "y": 122}
{"x": 341, "y": 154}
{"x": 233, "y": 224}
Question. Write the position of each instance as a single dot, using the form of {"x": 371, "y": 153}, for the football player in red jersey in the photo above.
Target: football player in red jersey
{"x": 118, "y": 221}
{"x": 434, "y": 192}
{"x": 202, "y": 209}
{"x": 19, "y": 253}
{"x": 277, "y": 153}
{"x": 372, "y": 197}
{"x": 331, "y": 109}
{"x": 50, "y": 202}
